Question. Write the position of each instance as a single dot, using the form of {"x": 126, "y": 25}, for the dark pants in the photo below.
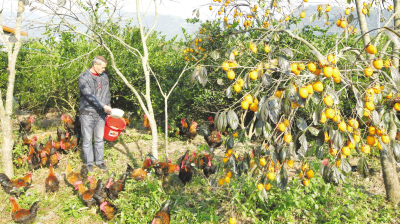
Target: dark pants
{"x": 93, "y": 124}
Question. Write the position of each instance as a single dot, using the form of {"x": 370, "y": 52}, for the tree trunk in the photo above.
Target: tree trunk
{"x": 396, "y": 48}
{"x": 8, "y": 143}
{"x": 390, "y": 177}
{"x": 6, "y": 111}
{"x": 166, "y": 126}
{"x": 363, "y": 25}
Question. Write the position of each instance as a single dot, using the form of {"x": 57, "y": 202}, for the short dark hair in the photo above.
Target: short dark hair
{"x": 98, "y": 60}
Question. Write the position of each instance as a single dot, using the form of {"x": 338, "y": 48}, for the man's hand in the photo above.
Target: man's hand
{"x": 107, "y": 109}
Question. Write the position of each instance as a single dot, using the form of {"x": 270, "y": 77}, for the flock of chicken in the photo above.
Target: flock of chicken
{"x": 174, "y": 176}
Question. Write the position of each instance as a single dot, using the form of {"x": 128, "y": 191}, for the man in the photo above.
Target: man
{"x": 94, "y": 105}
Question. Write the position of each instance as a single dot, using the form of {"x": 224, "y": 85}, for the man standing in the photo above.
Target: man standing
{"x": 94, "y": 105}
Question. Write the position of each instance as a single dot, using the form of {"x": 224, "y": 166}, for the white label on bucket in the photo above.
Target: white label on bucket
{"x": 113, "y": 133}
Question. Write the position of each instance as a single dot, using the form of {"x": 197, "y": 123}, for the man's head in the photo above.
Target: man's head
{"x": 99, "y": 64}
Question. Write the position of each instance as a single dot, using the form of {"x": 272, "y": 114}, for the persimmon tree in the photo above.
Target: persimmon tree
{"x": 13, "y": 45}
{"x": 329, "y": 96}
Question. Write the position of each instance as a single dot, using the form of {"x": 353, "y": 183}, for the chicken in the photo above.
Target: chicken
{"x": 60, "y": 135}
{"x": 54, "y": 157}
{"x": 211, "y": 125}
{"x": 136, "y": 174}
{"x": 25, "y": 126}
{"x": 114, "y": 187}
{"x": 101, "y": 194}
{"x": 162, "y": 216}
{"x": 186, "y": 172}
{"x": 146, "y": 165}
{"x": 146, "y": 124}
{"x": 68, "y": 145}
{"x": 108, "y": 210}
{"x": 44, "y": 157}
{"x": 33, "y": 156}
{"x": 26, "y": 140}
{"x": 20, "y": 215}
{"x": 184, "y": 128}
{"x": 20, "y": 161}
{"x": 162, "y": 168}
{"x": 209, "y": 169}
{"x": 171, "y": 183}
{"x": 16, "y": 186}
{"x": 72, "y": 126}
{"x": 48, "y": 144}
{"x": 214, "y": 140}
{"x": 52, "y": 183}
{"x": 192, "y": 133}
{"x": 72, "y": 177}
{"x": 87, "y": 196}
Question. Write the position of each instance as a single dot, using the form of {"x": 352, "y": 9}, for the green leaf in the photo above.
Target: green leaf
{"x": 345, "y": 165}
{"x": 301, "y": 123}
{"x": 222, "y": 122}
{"x": 233, "y": 119}
{"x": 311, "y": 19}
{"x": 313, "y": 131}
{"x": 362, "y": 167}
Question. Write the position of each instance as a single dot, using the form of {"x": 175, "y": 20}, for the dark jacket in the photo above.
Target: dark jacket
{"x": 94, "y": 91}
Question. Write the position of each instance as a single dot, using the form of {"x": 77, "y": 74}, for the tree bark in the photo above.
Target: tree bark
{"x": 363, "y": 26}
{"x": 166, "y": 126}
{"x": 390, "y": 177}
{"x": 396, "y": 48}
{"x": 6, "y": 111}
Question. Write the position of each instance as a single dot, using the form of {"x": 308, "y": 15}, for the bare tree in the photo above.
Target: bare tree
{"x": 94, "y": 21}
{"x": 13, "y": 45}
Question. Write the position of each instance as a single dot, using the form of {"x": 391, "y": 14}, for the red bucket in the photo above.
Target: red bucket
{"x": 113, "y": 128}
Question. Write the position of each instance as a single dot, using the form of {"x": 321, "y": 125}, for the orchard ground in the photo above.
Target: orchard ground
{"x": 358, "y": 200}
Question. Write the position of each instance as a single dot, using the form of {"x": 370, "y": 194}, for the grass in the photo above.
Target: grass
{"x": 351, "y": 202}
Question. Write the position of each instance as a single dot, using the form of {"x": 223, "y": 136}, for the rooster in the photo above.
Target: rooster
{"x": 108, "y": 210}
{"x": 16, "y": 186}
{"x": 214, "y": 140}
{"x": 87, "y": 196}
{"x": 209, "y": 169}
{"x": 192, "y": 133}
{"x": 101, "y": 194}
{"x": 68, "y": 145}
{"x": 26, "y": 140}
{"x": 52, "y": 183}
{"x": 136, "y": 174}
{"x": 73, "y": 127}
{"x": 54, "y": 157}
{"x": 162, "y": 216}
{"x": 171, "y": 183}
{"x": 184, "y": 128}
{"x": 33, "y": 156}
{"x": 162, "y": 168}
{"x": 44, "y": 158}
{"x": 115, "y": 186}
{"x": 146, "y": 124}
{"x": 20, "y": 215}
{"x": 72, "y": 177}
{"x": 25, "y": 126}
{"x": 186, "y": 172}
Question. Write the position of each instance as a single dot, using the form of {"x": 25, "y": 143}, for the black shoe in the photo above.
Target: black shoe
{"x": 102, "y": 166}
{"x": 89, "y": 168}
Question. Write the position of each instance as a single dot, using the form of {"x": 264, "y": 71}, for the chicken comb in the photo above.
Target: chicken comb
{"x": 103, "y": 205}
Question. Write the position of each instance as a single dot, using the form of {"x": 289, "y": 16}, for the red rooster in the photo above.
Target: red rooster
{"x": 52, "y": 183}
{"x": 108, "y": 210}
{"x": 20, "y": 215}
{"x": 162, "y": 216}
{"x": 146, "y": 124}
{"x": 25, "y": 126}
{"x": 16, "y": 186}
